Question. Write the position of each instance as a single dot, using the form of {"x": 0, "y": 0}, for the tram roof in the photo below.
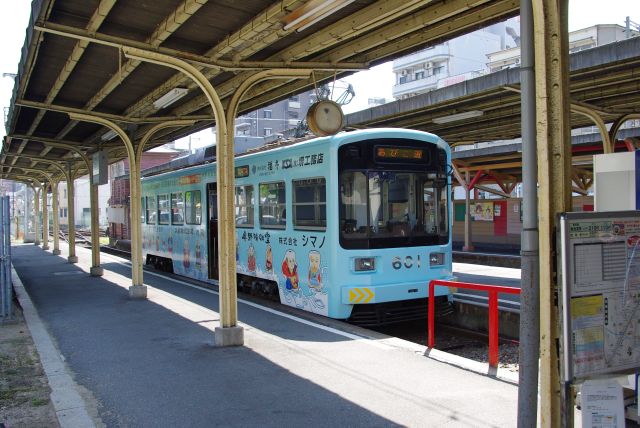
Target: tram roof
{"x": 73, "y": 61}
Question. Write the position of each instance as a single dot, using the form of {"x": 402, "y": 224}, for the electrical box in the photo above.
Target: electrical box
{"x": 616, "y": 181}
{"x": 100, "y": 171}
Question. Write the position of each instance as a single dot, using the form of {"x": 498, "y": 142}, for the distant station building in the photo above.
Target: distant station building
{"x": 579, "y": 40}
{"x": 276, "y": 118}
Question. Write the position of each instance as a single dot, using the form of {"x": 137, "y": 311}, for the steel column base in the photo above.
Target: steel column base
{"x": 138, "y": 292}
{"x": 96, "y": 271}
{"x": 229, "y": 336}
{"x": 45, "y": 247}
{"x": 73, "y": 259}
{"x": 56, "y": 252}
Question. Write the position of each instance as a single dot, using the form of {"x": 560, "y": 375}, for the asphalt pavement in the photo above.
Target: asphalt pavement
{"x": 139, "y": 363}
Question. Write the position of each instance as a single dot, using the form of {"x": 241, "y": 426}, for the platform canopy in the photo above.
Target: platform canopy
{"x": 74, "y": 61}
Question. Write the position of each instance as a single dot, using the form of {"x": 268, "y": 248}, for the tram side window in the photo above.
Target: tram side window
{"x": 310, "y": 204}
{"x": 143, "y": 209}
{"x": 177, "y": 208}
{"x": 193, "y": 207}
{"x": 164, "y": 213}
{"x": 244, "y": 206}
{"x": 151, "y": 210}
{"x": 273, "y": 205}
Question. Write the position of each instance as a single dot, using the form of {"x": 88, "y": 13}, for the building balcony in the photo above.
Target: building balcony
{"x": 413, "y": 86}
{"x": 439, "y": 52}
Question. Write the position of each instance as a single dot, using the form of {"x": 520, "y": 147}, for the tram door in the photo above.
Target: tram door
{"x": 212, "y": 215}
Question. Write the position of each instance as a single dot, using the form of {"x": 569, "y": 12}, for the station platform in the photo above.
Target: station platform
{"x": 114, "y": 361}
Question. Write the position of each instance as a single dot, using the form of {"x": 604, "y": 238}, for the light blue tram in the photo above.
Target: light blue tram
{"x": 351, "y": 226}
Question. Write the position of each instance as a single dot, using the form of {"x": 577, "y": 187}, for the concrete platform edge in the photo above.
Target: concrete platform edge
{"x": 473, "y": 366}
{"x": 70, "y": 407}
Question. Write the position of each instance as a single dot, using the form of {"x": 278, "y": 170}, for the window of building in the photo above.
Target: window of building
{"x": 151, "y": 210}
{"x": 294, "y": 98}
{"x": 273, "y": 212}
{"x": 244, "y": 206}
{"x": 402, "y": 79}
{"x": 266, "y": 114}
{"x": 164, "y": 211}
{"x": 310, "y": 204}
{"x": 293, "y": 114}
{"x": 177, "y": 208}
{"x": 419, "y": 75}
{"x": 193, "y": 207}
{"x": 267, "y": 131}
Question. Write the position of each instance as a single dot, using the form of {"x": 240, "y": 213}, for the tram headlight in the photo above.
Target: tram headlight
{"x": 364, "y": 264}
{"x": 436, "y": 259}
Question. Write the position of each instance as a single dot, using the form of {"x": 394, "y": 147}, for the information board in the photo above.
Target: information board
{"x": 600, "y": 295}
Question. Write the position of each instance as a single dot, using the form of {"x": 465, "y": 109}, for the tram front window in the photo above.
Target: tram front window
{"x": 385, "y": 209}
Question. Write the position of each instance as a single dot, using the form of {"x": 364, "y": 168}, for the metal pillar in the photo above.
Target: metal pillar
{"x": 529, "y": 350}
{"x": 139, "y": 150}
{"x": 468, "y": 245}
{"x": 56, "y": 218}
{"x": 36, "y": 217}
{"x": 45, "y": 218}
{"x": 554, "y": 178}
{"x": 96, "y": 269}
{"x": 137, "y": 289}
{"x": 71, "y": 215}
{"x": 229, "y": 333}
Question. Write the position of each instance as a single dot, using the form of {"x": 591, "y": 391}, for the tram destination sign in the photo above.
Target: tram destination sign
{"x": 399, "y": 153}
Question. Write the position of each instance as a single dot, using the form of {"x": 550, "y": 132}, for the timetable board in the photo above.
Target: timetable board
{"x": 600, "y": 294}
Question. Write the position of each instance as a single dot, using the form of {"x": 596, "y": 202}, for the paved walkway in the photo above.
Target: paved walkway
{"x": 138, "y": 363}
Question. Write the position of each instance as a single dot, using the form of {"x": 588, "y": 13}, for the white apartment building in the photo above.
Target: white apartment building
{"x": 452, "y": 62}
{"x": 82, "y": 203}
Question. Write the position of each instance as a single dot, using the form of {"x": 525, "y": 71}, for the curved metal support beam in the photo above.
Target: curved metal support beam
{"x": 597, "y": 119}
{"x": 136, "y": 247}
{"x": 95, "y": 269}
{"x": 229, "y": 333}
{"x": 53, "y": 182}
{"x": 147, "y": 136}
{"x": 617, "y": 124}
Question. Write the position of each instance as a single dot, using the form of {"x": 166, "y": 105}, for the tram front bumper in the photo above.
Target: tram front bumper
{"x": 367, "y": 294}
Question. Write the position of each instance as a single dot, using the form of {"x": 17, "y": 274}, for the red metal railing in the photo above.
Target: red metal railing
{"x": 493, "y": 291}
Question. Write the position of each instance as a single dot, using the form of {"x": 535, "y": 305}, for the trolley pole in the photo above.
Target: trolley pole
{"x": 529, "y": 350}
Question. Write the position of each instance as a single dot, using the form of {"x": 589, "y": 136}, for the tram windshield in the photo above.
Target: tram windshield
{"x": 386, "y": 209}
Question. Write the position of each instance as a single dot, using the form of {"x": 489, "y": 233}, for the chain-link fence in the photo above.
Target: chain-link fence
{"x": 6, "y": 290}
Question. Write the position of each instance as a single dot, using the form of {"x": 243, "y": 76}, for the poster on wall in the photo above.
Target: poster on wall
{"x": 483, "y": 211}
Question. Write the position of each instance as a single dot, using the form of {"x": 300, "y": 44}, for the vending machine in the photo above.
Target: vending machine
{"x": 616, "y": 181}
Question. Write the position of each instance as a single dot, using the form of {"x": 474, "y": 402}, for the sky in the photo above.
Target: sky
{"x": 377, "y": 82}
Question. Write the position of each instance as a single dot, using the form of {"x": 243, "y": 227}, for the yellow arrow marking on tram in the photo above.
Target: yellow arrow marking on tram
{"x": 357, "y": 295}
